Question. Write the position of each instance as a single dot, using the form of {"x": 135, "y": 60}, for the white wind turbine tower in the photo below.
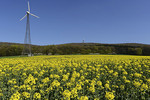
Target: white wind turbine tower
{"x": 27, "y": 40}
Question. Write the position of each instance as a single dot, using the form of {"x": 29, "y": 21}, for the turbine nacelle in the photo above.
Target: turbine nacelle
{"x": 28, "y": 12}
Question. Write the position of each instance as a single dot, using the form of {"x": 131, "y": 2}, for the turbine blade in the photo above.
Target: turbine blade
{"x": 23, "y": 17}
{"x": 34, "y": 15}
{"x": 28, "y": 6}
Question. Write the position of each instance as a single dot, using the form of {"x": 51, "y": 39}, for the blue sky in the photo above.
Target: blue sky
{"x": 70, "y": 21}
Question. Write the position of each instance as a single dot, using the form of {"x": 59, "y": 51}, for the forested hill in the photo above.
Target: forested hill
{"x": 9, "y": 44}
{"x": 12, "y": 49}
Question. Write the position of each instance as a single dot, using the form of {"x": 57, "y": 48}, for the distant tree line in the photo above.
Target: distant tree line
{"x": 68, "y": 49}
{"x": 77, "y": 49}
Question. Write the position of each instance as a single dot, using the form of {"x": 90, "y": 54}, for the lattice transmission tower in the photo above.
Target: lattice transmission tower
{"x": 27, "y": 40}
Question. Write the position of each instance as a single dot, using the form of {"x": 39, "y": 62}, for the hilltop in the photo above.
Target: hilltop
{"x": 86, "y": 44}
{"x": 103, "y": 44}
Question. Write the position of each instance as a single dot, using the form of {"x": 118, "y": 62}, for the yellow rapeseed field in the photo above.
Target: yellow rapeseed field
{"x": 75, "y": 77}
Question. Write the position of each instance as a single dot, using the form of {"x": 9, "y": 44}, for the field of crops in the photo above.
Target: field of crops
{"x": 73, "y": 77}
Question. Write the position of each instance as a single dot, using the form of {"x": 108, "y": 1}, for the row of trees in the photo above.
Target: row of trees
{"x": 76, "y": 49}
{"x": 13, "y": 50}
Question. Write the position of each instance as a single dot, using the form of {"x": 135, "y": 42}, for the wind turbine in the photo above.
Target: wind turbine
{"x": 27, "y": 40}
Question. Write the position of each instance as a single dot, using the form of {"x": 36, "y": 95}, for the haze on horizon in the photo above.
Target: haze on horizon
{"x": 71, "y": 21}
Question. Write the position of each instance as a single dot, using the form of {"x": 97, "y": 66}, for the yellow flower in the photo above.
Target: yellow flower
{"x": 30, "y": 80}
{"x": 77, "y": 74}
{"x": 106, "y": 67}
{"x": 127, "y": 81}
{"x": 86, "y": 81}
{"x": 56, "y": 76}
{"x": 124, "y": 77}
{"x": 137, "y": 75}
{"x": 78, "y": 86}
{"x": 1, "y": 94}
{"x": 144, "y": 87}
{"x": 107, "y": 82}
{"x": 115, "y": 74}
{"x": 74, "y": 93}
{"x": 45, "y": 80}
{"x": 109, "y": 96}
{"x": 72, "y": 79}
{"x": 26, "y": 94}
{"x": 83, "y": 98}
{"x": 13, "y": 81}
{"x": 92, "y": 88}
{"x": 81, "y": 71}
{"x": 136, "y": 84}
{"x": 148, "y": 80}
{"x": 119, "y": 68}
{"x": 28, "y": 87}
{"x": 115, "y": 86}
{"x": 99, "y": 83}
{"x": 96, "y": 98}
{"x": 122, "y": 87}
{"x": 15, "y": 96}
{"x": 51, "y": 76}
{"x": 65, "y": 78}
{"x": 82, "y": 77}
{"x": 41, "y": 91}
{"x": 37, "y": 96}
{"x": 125, "y": 73}
{"x": 55, "y": 83}
{"x": 111, "y": 71}
{"x": 68, "y": 84}
{"x": 66, "y": 94}
{"x": 107, "y": 86}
